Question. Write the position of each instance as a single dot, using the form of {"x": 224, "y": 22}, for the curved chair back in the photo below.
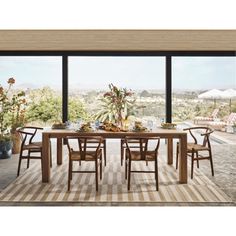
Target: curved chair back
{"x": 27, "y": 134}
{"x": 204, "y": 132}
{"x": 83, "y": 143}
{"x": 144, "y": 145}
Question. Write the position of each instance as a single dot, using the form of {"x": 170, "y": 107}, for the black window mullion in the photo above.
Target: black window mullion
{"x": 168, "y": 90}
{"x": 64, "y": 88}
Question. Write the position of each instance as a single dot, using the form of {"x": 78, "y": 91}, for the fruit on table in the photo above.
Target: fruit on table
{"x": 85, "y": 127}
{"x": 59, "y": 125}
{"x": 168, "y": 125}
{"x": 138, "y": 126}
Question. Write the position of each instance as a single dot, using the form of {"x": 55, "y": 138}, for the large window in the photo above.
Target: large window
{"x": 198, "y": 83}
{"x": 40, "y": 78}
{"x": 89, "y": 77}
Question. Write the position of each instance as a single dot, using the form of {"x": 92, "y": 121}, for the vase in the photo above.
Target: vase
{"x": 16, "y": 139}
{"x": 5, "y": 149}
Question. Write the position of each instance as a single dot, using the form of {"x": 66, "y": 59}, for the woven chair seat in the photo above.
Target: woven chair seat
{"x": 196, "y": 147}
{"x": 90, "y": 155}
{"x": 35, "y": 145}
{"x": 136, "y": 156}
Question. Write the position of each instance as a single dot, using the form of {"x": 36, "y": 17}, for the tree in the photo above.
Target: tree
{"x": 46, "y": 105}
{"x": 77, "y": 110}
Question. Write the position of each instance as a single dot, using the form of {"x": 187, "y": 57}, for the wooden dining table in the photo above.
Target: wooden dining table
{"x": 167, "y": 134}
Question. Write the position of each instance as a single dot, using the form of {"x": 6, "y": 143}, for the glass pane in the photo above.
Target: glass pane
{"x": 89, "y": 79}
{"x": 41, "y": 80}
{"x": 203, "y": 89}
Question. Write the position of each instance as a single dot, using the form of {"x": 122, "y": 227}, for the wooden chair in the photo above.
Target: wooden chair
{"x": 27, "y": 135}
{"x": 85, "y": 152}
{"x": 141, "y": 153}
{"x": 196, "y": 149}
{"x": 91, "y": 144}
{"x": 135, "y": 144}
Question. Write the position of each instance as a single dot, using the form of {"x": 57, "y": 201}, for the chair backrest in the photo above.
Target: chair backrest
{"x": 214, "y": 113}
{"x": 83, "y": 143}
{"x": 204, "y": 132}
{"x": 27, "y": 134}
{"x": 144, "y": 145}
{"x": 231, "y": 118}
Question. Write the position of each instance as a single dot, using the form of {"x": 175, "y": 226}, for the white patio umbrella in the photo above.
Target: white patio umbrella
{"x": 229, "y": 94}
{"x": 212, "y": 94}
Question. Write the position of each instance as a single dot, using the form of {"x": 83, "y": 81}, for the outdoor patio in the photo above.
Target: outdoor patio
{"x": 204, "y": 189}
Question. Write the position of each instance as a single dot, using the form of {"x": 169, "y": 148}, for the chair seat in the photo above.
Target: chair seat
{"x": 135, "y": 156}
{"x": 90, "y": 155}
{"x": 196, "y": 147}
{"x": 130, "y": 141}
{"x": 33, "y": 146}
{"x": 94, "y": 141}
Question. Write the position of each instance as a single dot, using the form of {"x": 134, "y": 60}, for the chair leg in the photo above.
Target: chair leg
{"x": 177, "y": 156}
{"x": 105, "y": 152}
{"x": 19, "y": 165}
{"x": 96, "y": 174}
{"x": 192, "y": 165}
{"x": 197, "y": 160}
{"x": 126, "y": 167}
{"x": 101, "y": 167}
{"x": 129, "y": 173}
{"x": 28, "y": 159}
{"x": 71, "y": 169}
{"x": 69, "y": 174}
{"x": 121, "y": 152}
{"x": 211, "y": 161}
{"x": 156, "y": 174}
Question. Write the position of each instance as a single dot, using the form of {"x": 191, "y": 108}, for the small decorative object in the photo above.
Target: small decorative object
{"x": 85, "y": 128}
{"x": 168, "y": 125}
{"x": 12, "y": 116}
{"x": 59, "y": 125}
{"x": 138, "y": 127}
{"x": 108, "y": 126}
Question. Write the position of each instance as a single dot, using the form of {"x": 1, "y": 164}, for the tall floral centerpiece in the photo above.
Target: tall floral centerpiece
{"x": 117, "y": 105}
{"x": 12, "y": 109}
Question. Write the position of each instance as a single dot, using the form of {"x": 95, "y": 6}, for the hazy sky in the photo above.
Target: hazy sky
{"x": 132, "y": 72}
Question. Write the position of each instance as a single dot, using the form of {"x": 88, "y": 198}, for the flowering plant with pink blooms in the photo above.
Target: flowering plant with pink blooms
{"x": 12, "y": 109}
{"x": 117, "y": 105}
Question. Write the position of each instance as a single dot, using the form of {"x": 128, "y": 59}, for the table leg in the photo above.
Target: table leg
{"x": 169, "y": 151}
{"x": 59, "y": 151}
{"x": 45, "y": 158}
{"x": 183, "y": 167}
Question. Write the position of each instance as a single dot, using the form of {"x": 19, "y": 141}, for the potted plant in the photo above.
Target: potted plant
{"x": 11, "y": 117}
{"x": 117, "y": 105}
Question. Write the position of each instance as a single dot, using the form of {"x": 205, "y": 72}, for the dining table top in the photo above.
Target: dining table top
{"x": 164, "y": 133}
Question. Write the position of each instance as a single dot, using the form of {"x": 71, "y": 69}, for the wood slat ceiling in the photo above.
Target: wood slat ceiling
{"x": 118, "y": 40}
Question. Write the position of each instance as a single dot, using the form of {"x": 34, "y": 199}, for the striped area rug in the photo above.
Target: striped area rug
{"x": 113, "y": 187}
